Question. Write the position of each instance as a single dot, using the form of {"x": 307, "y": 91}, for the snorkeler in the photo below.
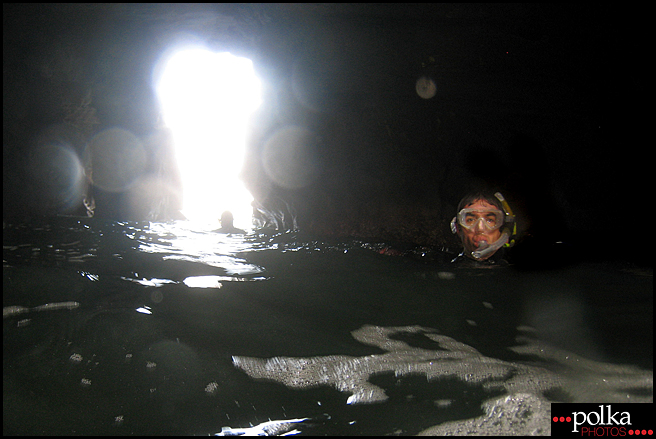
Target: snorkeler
{"x": 226, "y": 224}
{"x": 485, "y": 225}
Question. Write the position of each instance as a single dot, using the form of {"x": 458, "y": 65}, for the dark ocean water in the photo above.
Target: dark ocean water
{"x": 157, "y": 328}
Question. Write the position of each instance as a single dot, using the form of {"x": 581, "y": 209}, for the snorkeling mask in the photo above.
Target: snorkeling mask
{"x": 489, "y": 219}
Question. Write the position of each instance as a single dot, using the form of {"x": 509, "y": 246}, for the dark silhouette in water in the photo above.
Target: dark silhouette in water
{"x": 226, "y": 224}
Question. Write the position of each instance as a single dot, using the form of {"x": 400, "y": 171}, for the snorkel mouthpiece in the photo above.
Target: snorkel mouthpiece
{"x": 485, "y": 249}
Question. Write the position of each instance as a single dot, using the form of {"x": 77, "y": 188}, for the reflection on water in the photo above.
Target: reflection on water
{"x": 179, "y": 241}
{"x": 8, "y": 311}
{"x": 165, "y": 328}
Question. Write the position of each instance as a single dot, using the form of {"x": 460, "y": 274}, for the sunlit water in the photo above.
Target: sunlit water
{"x": 152, "y": 328}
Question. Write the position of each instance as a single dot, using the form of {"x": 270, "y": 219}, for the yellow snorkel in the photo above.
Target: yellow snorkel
{"x": 510, "y": 218}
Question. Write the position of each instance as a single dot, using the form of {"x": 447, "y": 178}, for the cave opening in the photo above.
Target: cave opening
{"x": 206, "y": 100}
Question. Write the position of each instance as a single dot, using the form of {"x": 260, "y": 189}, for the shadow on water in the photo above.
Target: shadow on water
{"x": 160, "y": 328}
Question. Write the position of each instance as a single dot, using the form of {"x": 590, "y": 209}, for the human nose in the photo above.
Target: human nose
{"x": 479, "y": 226}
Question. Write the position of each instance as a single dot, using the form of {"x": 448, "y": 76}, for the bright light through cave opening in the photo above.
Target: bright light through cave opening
{"x": 207, "y": 99}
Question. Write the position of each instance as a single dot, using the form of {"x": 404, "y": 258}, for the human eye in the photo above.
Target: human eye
{"x": 491, "y": 218}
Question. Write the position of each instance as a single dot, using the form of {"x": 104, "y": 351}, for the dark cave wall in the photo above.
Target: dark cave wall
{"x": 390, "y": 163}
{"x": 68, "y": 78}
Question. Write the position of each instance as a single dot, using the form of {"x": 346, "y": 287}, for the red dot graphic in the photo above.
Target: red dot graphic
{"x": 568, "y": 419}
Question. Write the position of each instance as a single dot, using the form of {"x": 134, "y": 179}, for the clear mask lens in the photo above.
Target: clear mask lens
{"x": 487, "y": 219}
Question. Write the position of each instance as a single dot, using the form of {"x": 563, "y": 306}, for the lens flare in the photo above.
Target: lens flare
{"x": 426, "y": 87}
{"x": 118, "y": 159}
{"x": 56, "y": 179}
{"x": 289, "y": 159}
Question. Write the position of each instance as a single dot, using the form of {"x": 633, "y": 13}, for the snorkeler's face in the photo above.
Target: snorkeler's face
{"x": 472, "y": 237}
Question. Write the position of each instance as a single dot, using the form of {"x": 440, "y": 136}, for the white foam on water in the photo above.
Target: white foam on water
{"x": 270, "y": 428}
{"x": 523, "y": 410}
{"x": 521, "y": 414}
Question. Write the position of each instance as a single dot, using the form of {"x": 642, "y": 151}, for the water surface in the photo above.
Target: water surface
{"x": 158, "y": 328}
